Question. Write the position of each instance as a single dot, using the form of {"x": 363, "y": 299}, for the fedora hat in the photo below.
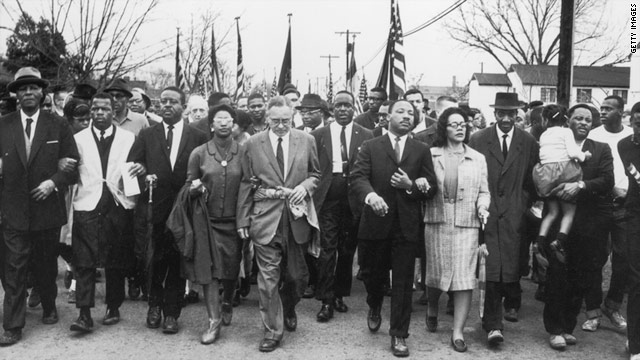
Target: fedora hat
{"x": 313, "y": 101}
{"x": 145, "y": 97}
{"x": 119, "y": 84}
{"x": 506, "y": 101}
{"x": 27, "y": 75}
{"x": 84, "y": 91}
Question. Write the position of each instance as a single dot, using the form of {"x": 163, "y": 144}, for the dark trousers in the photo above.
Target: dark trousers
{"x": 633, "y": 305}
{"x": 619, "y": 263}
{"x": 493, "y": 303}
{"x": 338, "y": 242}
{"x": 86, "y": 287}
{"x": 18, "y": 247}
{"x": 377, "y": 257}
{"x": 167, "y": 286}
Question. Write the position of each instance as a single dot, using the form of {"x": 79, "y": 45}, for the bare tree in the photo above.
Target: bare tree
{"x": 159, "y": 78}
{"x": 528, "y": 31}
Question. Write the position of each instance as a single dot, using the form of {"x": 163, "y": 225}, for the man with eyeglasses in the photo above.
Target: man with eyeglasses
{"x": 369, "y": 119}
{"x": 314, "y": 112}
{"x": 511, "y": 154}
{"x": 123, "y": 118}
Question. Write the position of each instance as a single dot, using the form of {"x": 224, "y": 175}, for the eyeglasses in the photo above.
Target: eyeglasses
{"x": 373, "y": 98}
{"x": 309, "y": 111}
{"x": 382, "y": 115}
{"x": 456, "y": 125}
{"x": 136, "y": 101}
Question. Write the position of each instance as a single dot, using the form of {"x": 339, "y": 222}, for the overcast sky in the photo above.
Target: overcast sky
{"x": 431, "y": 54}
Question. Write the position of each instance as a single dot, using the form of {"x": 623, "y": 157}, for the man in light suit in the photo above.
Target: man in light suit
{"x": 103, "y": 215}
{"x": 285, "y": 159}
{"x": 163, "y": 150}
{"x": 339, "y": 211}
{"x": 385, "y": 179}
{"x": 32, "y": 142}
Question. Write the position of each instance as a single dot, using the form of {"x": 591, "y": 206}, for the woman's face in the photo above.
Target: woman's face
{"x": 222, "y": 124}
{"x": 456, "y": 128}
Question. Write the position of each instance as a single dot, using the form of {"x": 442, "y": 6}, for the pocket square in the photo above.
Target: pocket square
{"x": 52, "y": 142}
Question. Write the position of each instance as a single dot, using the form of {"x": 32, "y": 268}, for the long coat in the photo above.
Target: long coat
{"x": 509, "y": 182}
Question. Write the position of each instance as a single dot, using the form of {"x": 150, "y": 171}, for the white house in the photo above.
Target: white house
{"x": 483, "y": 88}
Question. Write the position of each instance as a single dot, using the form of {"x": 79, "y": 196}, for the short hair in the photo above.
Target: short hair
{"x": 576, "y": 107}
{"x": 104, "y": 96}
{"x": 255, "y": 95}
{"x": 635, "y": 108}
{"x": 441, "y": 126}
{"x": 183, "y": 96}
{"x": 447, "y": 98}
{"x": 75, "y": 108}
{"x": 416, "y": 114}
{"x": 353, "y": 98}
{"x": 279, "y": 101}
{"x": 618, "y": 99}
{"x": 413, "y": 91}
{"x": 380, "y": 90}
{"x": 554, "y": 114}
{"x": 222, "y": 107}
{"x": 243, "y": 119}
{"x": 215, "y": 98}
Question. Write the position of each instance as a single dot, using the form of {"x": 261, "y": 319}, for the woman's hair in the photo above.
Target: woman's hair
{"x": 243, "y": 119}
{"x": 222, "y": 107}
{"x": 554, "y": 114}
{"x": 75, "y": 108}
{"x": 441, "y": 129}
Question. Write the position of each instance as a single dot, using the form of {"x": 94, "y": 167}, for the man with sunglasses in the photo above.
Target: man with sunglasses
{"x": 369, "y": 119}
{"x": 123, "y": 117}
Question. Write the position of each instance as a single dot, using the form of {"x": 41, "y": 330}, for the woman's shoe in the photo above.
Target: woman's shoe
{"x": 210, "y": 335}
{"x": 432, "y": 323}
{"x": 458, "y": 345}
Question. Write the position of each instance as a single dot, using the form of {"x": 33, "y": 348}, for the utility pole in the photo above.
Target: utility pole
{"x": 347, "y": 33}
{"x": 565, "y": 54}
{"x": 330, "y": 81}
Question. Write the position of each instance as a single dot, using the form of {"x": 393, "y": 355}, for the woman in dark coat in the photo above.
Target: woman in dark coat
{"x": 215, "y": 172}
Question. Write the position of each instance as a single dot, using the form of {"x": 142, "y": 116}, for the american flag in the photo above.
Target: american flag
{"x": 274, "y": 88}
{"x": 180, "y": 80}
{"x": 363, "y": 90}
{"x": 393, "y": 68}
{"x": 240, "y": 71}
{"x": 330, "y": 91}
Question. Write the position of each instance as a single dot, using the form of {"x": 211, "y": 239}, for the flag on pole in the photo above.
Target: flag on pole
{"x": 180, "y": 80}
{"x": 285, "y": 71}
{"x": 274, "y": 88}
{"x": 362, "y": 96}
{"x": 216, "y": 84}
{"x": 240, "y": 70}
{"x": 330, "y": 91}
{"x": 392, "y": 74}
{"x": 351, "y": 79}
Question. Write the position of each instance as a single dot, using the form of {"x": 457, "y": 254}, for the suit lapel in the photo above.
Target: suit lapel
{"x": 42, "y": 128}
{"x": 162, "y": 141}
{"x": 514, "y": 150}
{"x": 327, "y": 144}
{"x": 183, "y": 140}
{"x": 294, "y": 141}
{"x": 267, "y": 148}
{"x": 386, "y": 144}
{"x": 356, "y": 134}
{"x": 494, "y": 145}
{"x": 408, "y": 148}
{"x": 18, "y": 136}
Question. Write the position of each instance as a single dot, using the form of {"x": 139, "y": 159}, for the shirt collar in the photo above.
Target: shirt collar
{"x": 108, "y": 132}
{"x": 392, "y": 137}
{"x": 34, "y": 117}
{"x": 500, "y": 133}
{"x": 176, "y": 127}
{"x": 274, "y": 137}
{"x": 348, "y": 127}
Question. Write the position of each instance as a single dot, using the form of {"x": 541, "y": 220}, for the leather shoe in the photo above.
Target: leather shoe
{"x": 374, "y": 320}
{"x": 226, "y": 313}
{"x": 170, "y": 325}
{"x": 340, "y": 306}
{"x": 268, "y": 345}
{"x": 325, "y": 314}
{"x": 291, "y": 321}
{"x": 10, "y": 337}
{"x": 432, "y": 323}
{"x": 458, "y": 345}
{"x": 210, "y": 335}
{"x": 50, "y": 317}
{"x": 309, "y": 292}
{"x": 134, "y": 290}
{"x": 399, "y": 347}
{"x": 511, "y": 315}
{"x": 34, "y": 298}
{"x": 111, "y": 317}
{"x": 154, "y": 317}
{"x": 495, "y": 337}
{"x": 82, "y": 324}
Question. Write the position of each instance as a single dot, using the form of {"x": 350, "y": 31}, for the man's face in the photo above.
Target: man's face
{"x": 172, "y": 107}
{"x": 401, "y": 118}
{"x": 417, "y": 101}
{"x": 198, "y": 113}
{"x": 47, "y": 104}
{"x": 136, "y": 103}
{"x": 279, "y": 118}
{"x": 580, "y": 123}
{"x": 343, "y": 109}
{"x": 29, "y": 97}
{"x": 294, "y": 98}
{"x": 101, "y": 113}
{"x": 120, "y": 101}
{"x": 311, "y": 117}
{"x": 383, "y": 116}
{"x": 242, "y": 104}
{"x": 635, "y": 124}
{"x": 609, "y": 112}
{"x": 257, "y": 109}
{"x": 58, "y": 99}
{"x": 375, "y": 100}
{"x": 506, "y": 119}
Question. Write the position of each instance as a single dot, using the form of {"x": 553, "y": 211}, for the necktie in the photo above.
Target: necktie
{"x": 396, "y": 148}
{"x": 505, "y": 151}
{"x": 280, "y": 156}
{"x": 343, "y": 152}
{"x": 101, "y": 136}
{"x": 169, "y": 138}
{"x": 27, "y": 129}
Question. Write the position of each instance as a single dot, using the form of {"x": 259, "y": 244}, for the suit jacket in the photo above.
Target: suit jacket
{"x": 377, "y": 131}
{"x": 203, "y": 126}
{"x": 52, "y": 140}
{"x": 149, "y": 150}
{"x": 325, "y": 157}
{"x": 367, "y": 120}
{"x": 89, "y": 189}
{"x": 373, "y": 169}
{"x": 597, "y": 174}
{"x": 263, "y": 217}
{"x": 427, "y": 136}
{"x": 510, "y": 184}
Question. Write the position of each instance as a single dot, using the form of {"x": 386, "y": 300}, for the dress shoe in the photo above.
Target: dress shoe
{"x": 591, "y": 325}
{"x": 192, "y": 297}
{"x": 399, "y": 347}
{"x": 374, "y": 320}
{"x": 154, "y": 317}
{"x": 68, "y": 276}
{"x": 245, "y": 287}
{"x": 10, "y": 337}
{"x": 569, "y": 339}
{"x": 325, "y": 314}
{"x": 432, "y": 323}
{"x": 423, "y": 300}
{"x": 558, "y": 250}
{"x": 557, "y": 342}
{"x": 50, "y": 317}
{"x": 34, "y": 298}
{"x": 111, "y": 317}
{"x": 291, "y": 321}
{"x": 210, "y": 335}
{"x": 82, "y": 324}
{"x": 495, "y": 337}
{"x": 268, "y": 345}
{"x": 309, "y": 292}
{"x": 616, "y": 318}
{"x": 340, "y": 306}
{"x": 511, "y": 315}
{"x": 226, "y": 313}
{"x": 170, "y": 325}
{"x": 458, "y": 345}
{"x": 134, "y": 290}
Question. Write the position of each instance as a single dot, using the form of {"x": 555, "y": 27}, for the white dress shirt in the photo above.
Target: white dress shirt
{"x": 403, "y": 141}
{"x": 335, "y": 130}
{"x": 285, "y": 148}
{"x": 177, "y": 136}
{"x": 509, "y": 136}
{"x": 107, "y": 132}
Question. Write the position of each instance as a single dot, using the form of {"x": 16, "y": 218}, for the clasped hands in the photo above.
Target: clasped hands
{"x": 399, "y": 180}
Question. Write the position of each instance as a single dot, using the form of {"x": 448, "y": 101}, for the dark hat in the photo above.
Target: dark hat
{"x": 313, "y": 101}
{"x": 145, "y": 97}
{"x": 290, "y": 88}
{"x": 119, "y": 84}
{"x": 27, "y": 75}
{"x": 84, "y": 91}
{"x": 506, "y": 101}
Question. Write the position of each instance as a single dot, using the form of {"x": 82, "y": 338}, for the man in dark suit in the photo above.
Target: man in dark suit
{"x": 369, "y": 119}
{"x": 338, "y": 145}
{"x": 511, "y": 154}
{"x": 163, "y": 150}
{"x": 386, "y": 179}
{"x": 314, "y": 112}
{"x": 283, "y": 162}
{"x": 581, "y": 278}
{"x": 32, "y": 142}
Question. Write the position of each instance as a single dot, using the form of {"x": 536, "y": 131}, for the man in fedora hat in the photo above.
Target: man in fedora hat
{"x": 314, "y": 112}
{"x": 124, "y": 118}
{"x": 83, "y": 93}
{"x": 32, "y": 142}
{"x": 511, "y": 154}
